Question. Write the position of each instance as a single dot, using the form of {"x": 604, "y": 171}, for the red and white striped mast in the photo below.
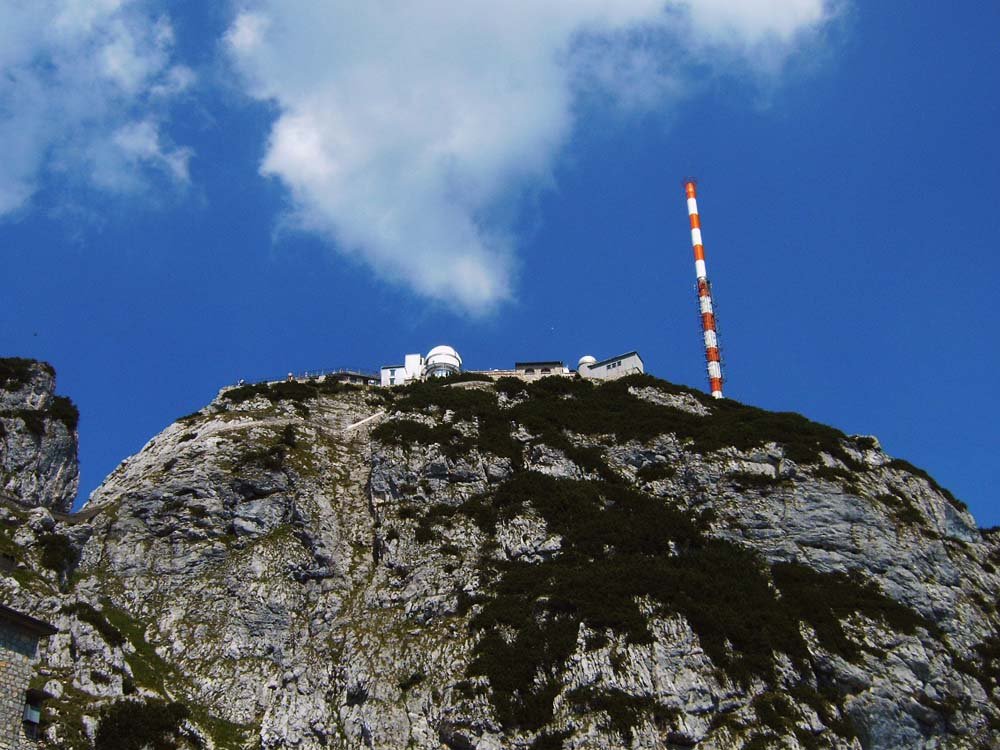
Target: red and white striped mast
{"x": 704, "y": 295}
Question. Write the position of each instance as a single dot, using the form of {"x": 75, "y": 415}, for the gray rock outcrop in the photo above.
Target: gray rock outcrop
{"x": 38, "y": 441}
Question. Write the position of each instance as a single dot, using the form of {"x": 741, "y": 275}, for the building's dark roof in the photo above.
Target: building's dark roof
{"x": 525, "y": 365}
{"x": 27, "y": 622}
{"x": 612, "y": 359}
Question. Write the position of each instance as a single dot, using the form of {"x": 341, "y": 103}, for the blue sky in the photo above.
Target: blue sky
{"x": 196, "y": 195}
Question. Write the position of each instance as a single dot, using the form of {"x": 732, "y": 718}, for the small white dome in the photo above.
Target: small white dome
{"x": 585, "y": 361}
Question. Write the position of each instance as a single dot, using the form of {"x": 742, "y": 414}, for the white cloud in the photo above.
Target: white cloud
{"x": 83, "y": 87}
{"x": 120, "y": 161}
{"x": 402, "y": 125}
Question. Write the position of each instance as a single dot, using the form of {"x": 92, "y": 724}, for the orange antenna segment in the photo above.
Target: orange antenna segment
{"x": 712, "y": 357}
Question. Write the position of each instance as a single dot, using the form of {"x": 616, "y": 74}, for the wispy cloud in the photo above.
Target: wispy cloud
{"x": 83, "y": 90}
{"x": 402, "y": 126}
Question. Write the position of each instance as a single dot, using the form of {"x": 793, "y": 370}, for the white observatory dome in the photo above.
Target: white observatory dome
{"x": 586, "y": 361}
{"x": 442, "y": 361}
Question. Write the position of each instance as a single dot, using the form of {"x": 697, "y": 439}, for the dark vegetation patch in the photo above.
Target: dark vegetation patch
{"x": 58, "y": 554}
{"x": 512, "y": 387}
{"x": 620, "y": 547}
{"x": 468, "y": 404}
{"x": 64, "y": 410}
{"x": 34, "y": 420}
{"x": 832, "y": 473}
{"x": 16, "y": 372}
{"x": 87, "y": 613}
{"x": 141, "y": 725}
{"x": 60, "y": 408}
{"x": 404, "y": 433}
{"x": 558, "y": 404}
{"x": 439, "y": 514}
{"x": 464, "y": 377}
{"x": 775, "y": 711}
{"x": 901, "y": 465}
{"x": 412, "y": 681}
{"x": 624, "y": 711}
{"x": 824, "y": 702}
{"x": 554, "y": 407}
{"x": 825, "y": 599}
{"x": 549, "y": 741}
{"x": 297, "y": 391}
{"x": 987, "y": 670}
{"x": 902, "y": 507}
{"x": 270, "y": 458}
{"x": 653, "y": 472}
{"x": 746, "y": 480}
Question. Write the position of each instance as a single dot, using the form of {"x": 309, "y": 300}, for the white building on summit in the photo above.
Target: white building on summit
{"x": 612, "y": 368}
{"x": 442, "y": 361}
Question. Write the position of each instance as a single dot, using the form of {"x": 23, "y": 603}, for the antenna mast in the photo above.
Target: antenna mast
{"x": 712, "y": 357}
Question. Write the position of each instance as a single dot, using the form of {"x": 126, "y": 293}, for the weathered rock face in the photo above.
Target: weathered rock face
{"x": 38, "y": 443}
{"x": 561, "y": 565}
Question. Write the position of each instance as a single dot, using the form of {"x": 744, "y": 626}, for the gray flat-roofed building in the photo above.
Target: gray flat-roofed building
{"x": 353, "y": 376}
{"x": 20, "y": 709}
{"x": 611, "y": 368}
{"x": 541, "y": 369}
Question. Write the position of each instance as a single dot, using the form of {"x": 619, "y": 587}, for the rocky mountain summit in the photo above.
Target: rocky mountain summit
{"x": 467, "y": 564}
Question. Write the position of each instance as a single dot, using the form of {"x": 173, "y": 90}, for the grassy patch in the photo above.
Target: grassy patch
{"x": 148, "y": 669}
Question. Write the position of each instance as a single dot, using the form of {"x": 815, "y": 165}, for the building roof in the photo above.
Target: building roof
{"x": 523, "y": 365}
{"x": 37, "y": 627}
{"x": 612, "y": 359}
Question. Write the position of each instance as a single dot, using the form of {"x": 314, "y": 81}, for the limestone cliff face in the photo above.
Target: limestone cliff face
{"x": 470, "y": 565}
{"x": 38, "y": 443}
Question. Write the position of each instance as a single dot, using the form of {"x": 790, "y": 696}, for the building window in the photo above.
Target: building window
{"x": 392, "y": 381}
{"x": 392, "y": 372}
{"x": 32, "y": 716}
